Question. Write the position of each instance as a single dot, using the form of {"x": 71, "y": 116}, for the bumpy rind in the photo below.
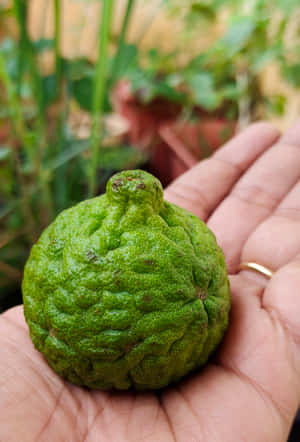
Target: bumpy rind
{"x": 126, "y": 290}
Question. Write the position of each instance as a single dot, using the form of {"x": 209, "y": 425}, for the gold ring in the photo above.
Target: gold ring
{"x": 256, "y": 268}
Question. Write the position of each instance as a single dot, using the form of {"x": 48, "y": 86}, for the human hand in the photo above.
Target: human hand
{"x": 249, "y": 195}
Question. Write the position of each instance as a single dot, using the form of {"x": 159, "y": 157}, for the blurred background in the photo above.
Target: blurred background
{"x": 91, "y": 87}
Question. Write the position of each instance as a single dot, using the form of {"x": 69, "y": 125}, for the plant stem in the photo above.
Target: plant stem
{"x": 99, "y": 93}
{"x": 40, "y": 128}
{"x": 118, "y": 56}
{"x": 60, "y": 176}
{"x": 30, "y": 222}
{"x": 20, "y": 8}
{"x": 14, "y": 106}
{"x": 57, "y": 15}
{"x": 244, "y": 103}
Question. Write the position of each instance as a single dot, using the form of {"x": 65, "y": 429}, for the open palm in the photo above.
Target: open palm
{"x": 249, "y": 195}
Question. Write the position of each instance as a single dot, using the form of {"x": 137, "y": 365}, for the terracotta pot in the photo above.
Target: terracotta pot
{"x": 173, "y": 145}
{"x": 4, "y": 132}
{"x": 144, "y": 119}
{"x": 191, "y": 142}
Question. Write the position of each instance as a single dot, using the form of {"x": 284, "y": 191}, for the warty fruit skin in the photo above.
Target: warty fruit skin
{"x": 126, "y": 289}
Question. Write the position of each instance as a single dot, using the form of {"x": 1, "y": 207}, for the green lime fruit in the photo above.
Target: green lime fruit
{"x": 126, "y": 289}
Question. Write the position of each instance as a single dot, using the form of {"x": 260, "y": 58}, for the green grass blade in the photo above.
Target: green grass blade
{"x": 118, "y": 57}
{"x": 67, "y": 155}
{"x": 15, "y": 109}
{"x": 20, "y": 8}
{"x": 99, "y": 92}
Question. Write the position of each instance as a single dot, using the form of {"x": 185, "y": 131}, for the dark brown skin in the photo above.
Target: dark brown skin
{"x": 249, "y": 194}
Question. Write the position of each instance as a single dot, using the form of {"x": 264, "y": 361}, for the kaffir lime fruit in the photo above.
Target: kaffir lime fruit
{"x": 126, "y": 290}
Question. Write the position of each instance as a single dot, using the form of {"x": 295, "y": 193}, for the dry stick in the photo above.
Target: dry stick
{"x": 244, "y": 104}
{"x": 10, "y": 271}
{"x": 6, "y": 238}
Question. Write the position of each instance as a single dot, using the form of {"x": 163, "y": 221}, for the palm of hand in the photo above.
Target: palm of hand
{"x": 250, "y": 198}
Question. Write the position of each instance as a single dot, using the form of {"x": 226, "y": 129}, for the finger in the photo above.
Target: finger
{"x": 292, "y": 135}
{"x": 277, "y": 240}
{"x": 254, "y": 198}
{"x": 202, "y": 188}
{"x": 16, "y": 315}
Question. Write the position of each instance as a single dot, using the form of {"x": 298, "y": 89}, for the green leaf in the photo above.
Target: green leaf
{"x": 198, "y": 62}
{"x": 49, "y": 87}
{"x": 81, "y": 75}
{"x": 120, "y": 157}
{"x": 127, "y": 60}
{"x": 203, "y": 9}
{"x": 7, "y": 45}
{"x": 292, "y": 74}
{"x": 163, "y": 89}
{"x": 5, "y": 152}
{"x": 79, "y": 68}
{"x": 231, "y": 92}
{"x": 9, "y": 51}
{"x": 287, "y": 5}
{"x": 44, "y": 44}
{"x": 158, "y": 62}
{"x": 148, "y": 87}
{"x": 83, "y": 92}
{"x": 15, "y": 220}
{"x": 276, "y": 104}
{"x": 239, "y": 34}
{"x": 264, "y": 58}
{"x": 203, "y": 92}
{"x": 75, "y": 149}
{"x": 7, "y": 209}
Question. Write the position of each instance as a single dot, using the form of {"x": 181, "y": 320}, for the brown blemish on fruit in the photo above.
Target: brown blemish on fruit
{"x": 203, "y": 326}
{"x": 141, "y": 186}
{"x": 201, "y": 294}
{"x": 116, "y": 184}
{"x": 128, "y": 347}
{"x": 91, "y": 256}
{"x": 150, "y": 262}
